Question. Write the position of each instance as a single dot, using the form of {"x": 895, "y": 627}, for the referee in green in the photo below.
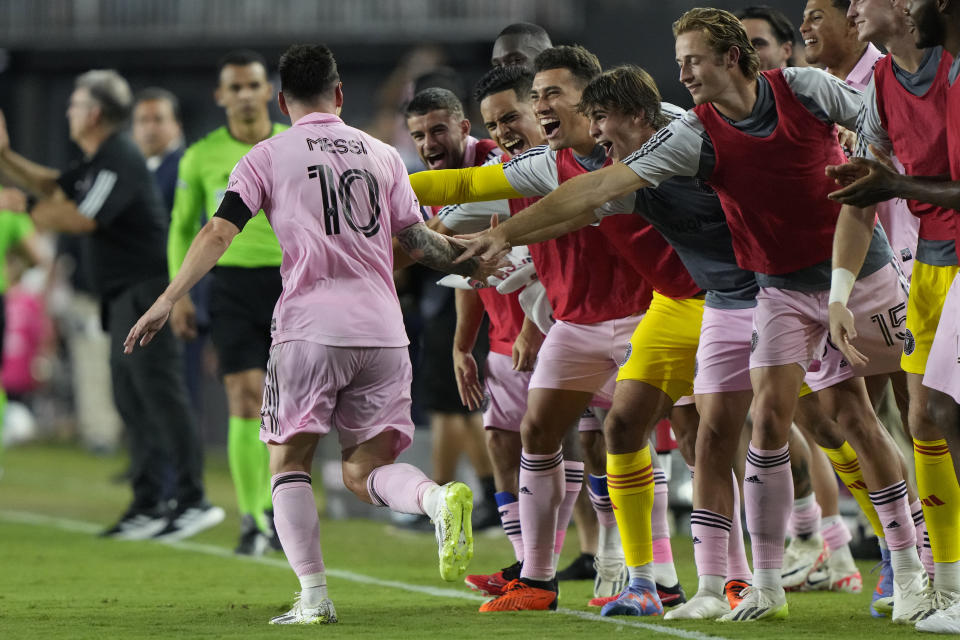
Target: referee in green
{"x": 246, "y": 283}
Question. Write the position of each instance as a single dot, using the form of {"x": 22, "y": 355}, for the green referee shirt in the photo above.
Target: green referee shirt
{"x": 201, "y": 182}
{"x": 14, "y": 227}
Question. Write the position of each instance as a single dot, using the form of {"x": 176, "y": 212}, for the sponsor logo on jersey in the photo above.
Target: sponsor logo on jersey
{"x": 909, "y": 343}
{"x": 485, "y": 403}
{"x": 626, "y": 357}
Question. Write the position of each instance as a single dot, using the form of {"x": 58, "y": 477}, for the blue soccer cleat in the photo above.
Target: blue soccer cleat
{"x": 881, "y": 604}
{"x": 638, "y": 599}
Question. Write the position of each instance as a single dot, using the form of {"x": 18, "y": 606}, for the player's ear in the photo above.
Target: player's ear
{"x": 218, "y": 97}
{"x": 282, "y": 102}
{"x": 338, "y": 96}
{"x": 465, "y": 127}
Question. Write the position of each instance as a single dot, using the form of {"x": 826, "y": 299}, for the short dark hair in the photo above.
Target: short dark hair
{"x": 433, "y": 99}
{"x": 576, "y": 59}
{"x": 627, "y": 89}
{"x": 498, "y": 79}
{"x": 241, "y": 58}
{"x": 525, "y": 29}
{"x": 159, "y": 93}
{"x": 307, "y": 72}
{"x": 783, "y": 29}
{"x": 841, "y": 5}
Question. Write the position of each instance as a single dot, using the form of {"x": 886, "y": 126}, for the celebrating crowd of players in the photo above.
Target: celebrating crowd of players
{"x": 700, "y": 265}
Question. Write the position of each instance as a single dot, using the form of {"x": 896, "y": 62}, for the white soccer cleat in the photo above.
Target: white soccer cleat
{"x": 700, "y": 607}
{"x": 612, "y": 576}
{"x": 946, "y": 619}
{"x": 912, "y": 598}
{"x": 454, "y": 530}
{"x": 832, "y": 576}
{"x": 759, "y": 604}
{"x": 801, "y": 558}
{"x": 323, "y": 613}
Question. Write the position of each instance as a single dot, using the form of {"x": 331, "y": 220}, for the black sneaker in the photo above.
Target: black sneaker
{"x": 252, "y": 541}
{"x": 137, "y": 524}
{"x": 272, "y": 538}
{"x": 580, "y": 569}
{"x": 671, "y": 596}
{"x": 190, "y": 520}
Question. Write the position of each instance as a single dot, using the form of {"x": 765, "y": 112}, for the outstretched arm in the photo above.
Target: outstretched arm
{"x": 206, "y": 249}
{"x": 437, "y": 252}
{"x": 570, "y": 207}
{"x": 455, "y": 186}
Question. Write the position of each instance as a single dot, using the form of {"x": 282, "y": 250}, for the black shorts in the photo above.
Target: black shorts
{"x": 241, "y": 309}
{"x": 438, "y": 383}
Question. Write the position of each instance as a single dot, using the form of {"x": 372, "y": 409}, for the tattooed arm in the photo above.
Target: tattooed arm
{"x": 435, "y": 251}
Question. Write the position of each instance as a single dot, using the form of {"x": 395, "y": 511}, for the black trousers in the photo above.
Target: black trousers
{"x": 151, "y": 397}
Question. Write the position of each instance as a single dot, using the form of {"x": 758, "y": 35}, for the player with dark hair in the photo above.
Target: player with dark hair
{"x": 519, "y": 43}
{"x": 347, "y": 371}
{"x": 240, "y": 332}
{"x": 833, "y": 41}
{"x": 721, "y": 70}
{"x": 903, "y": 114}
{"x": 654, "y": 374}
{"x": 771, "y": 33}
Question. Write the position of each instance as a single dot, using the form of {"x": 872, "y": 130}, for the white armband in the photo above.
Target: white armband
{"x": 841, "y": 284}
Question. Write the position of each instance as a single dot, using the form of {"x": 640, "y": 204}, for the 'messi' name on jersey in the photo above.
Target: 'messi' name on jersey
{"x": 336, "y": 146}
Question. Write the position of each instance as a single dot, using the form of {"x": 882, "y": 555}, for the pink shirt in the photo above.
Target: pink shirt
{"x": 334, "y": 196}
{"x": 901, "y": 225}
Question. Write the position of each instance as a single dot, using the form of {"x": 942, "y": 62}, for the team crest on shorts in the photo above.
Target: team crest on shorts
{"x": 909, "y": 343}
{"x": 696, "y": 367}
{"x": 485, "y": 403}
{"x": 754, "y": 339}
{"x": 626, "y": 357}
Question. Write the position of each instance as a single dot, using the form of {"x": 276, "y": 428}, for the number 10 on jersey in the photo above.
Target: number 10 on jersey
{"x": 338, "y": 196}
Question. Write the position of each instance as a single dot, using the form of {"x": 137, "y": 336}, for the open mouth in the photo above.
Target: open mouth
{"x": 550, "y": 126}
{"x": 436, "y": 160}
{"x": 607, "y": 146}
{"x": 515, "y": 146}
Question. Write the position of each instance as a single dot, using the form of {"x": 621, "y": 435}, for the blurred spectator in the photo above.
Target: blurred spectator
{"x": 158, "y": 133}
{"x": 110, "y": 197}
{"x": 771, "y": 33}
{"x": 519, "y": 43}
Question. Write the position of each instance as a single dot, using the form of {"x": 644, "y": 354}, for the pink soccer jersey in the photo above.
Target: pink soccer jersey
{"x": 334, "y": 196}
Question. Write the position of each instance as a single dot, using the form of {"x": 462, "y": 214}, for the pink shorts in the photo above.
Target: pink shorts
{"x": 505, "y": 397}
{"x": 723, "y": 356}
{"x": 359, "y": 391}
{"x": 584, "y": 357}
{"x": 791, "y": 327}
{"x": 943, "y": 365}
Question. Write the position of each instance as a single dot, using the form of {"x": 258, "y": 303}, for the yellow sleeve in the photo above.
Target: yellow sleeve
{"x": 456, "y": 186}
{"x": 185, "y": 216}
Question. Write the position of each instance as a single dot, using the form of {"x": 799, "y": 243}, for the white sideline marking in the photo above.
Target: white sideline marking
{"x": 79, "y": 526}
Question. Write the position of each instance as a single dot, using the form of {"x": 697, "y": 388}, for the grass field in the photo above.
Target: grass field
{"x": 57, "y": 580}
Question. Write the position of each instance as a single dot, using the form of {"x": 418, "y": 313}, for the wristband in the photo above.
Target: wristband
{"x": 841, "y": 284}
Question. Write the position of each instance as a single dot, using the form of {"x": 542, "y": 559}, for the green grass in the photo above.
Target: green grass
{"x": 68, "y": 584}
